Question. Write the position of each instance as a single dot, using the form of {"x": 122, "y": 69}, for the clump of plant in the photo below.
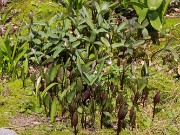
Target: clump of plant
{"x": 86, "y": 63}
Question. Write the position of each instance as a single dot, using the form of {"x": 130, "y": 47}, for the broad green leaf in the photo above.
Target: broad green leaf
{"x": 145, "y": 33}
{"x": 101, "y": 30}
{"x": 97, "y": 7}
{"x": 48, "y": 88}
{"x": 121, "y": 26}
{"x": 104, "y": 7}
{"x": 115, "y": 45}
{"x": 53, "y": 111}
{"x": 100, "y": 19}
{"x": 93, "y": 36}
{"x": 62, "y": 95}
{"x": 137, "y": 43}
{"x": 78, "y": 63}
{"x": 138, "y": 8}
{"x": 52, "y": 35}
{"x": 142, "y": 15}
{"x": 90, "y": 23}
{"x": 105, "y": 41}
{"x": 75, "y": 44}
{"x": 107, "y": 114}
{"x": 154, "y": 4}
{"x": 42, "y": 34}
{"x": 70, "y": 96}
{"x": 53, "y": 19}
{"x": 53, "y": 72}
{"x": 86, "y": 12}
{"x": 66, "y": 24}
{"x": 57, "y": 52}
{"x": 155, "y": 20}
{"x": 37, "y": 41}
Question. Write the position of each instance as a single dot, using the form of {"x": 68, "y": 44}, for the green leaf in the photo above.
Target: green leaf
{"x": 43, "y": 34}
{"x": 97, "y": 7}
{"x": 154, "y": 4}
{"x": 53, "y": 19}
{"x": 145, "y": 33}
{"x": 90, "y": 23}
{"x": 66, "y": 24}
{"x": 107, "y": 114}
{"x": 70, "y": 96}
{"x": 115, "y": 45}
{"x": 142, "y": 15}
{"x": 105, "y": 41}
{"x": 155, "y": 20}
{"x": 47, "y": 88}
{"x": 37, "y": 41}
{"x": 57, "y": 52}
{"x": 78, "y": 63}
{"x": 137, "y": 43}
{"x": 52, "y": 35}
{"x": 104, "y": 7}
{"x": 75, "y": 44}
{"x": 62, "y": 95}
{"x": 93, "y": 36}
{"x": 121, "y": 26}
{"x": 100, "y": 19}
{"x": 53, "y": 111}
{"x": 80, "y": 110}
{"x": 138, "y": 8}
{"x": 86, "y": 12}
{"x": 53, "y": 72}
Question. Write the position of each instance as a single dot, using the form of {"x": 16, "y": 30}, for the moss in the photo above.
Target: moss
{"x": 12, "y": 96}
{"x": 43, "y": 10}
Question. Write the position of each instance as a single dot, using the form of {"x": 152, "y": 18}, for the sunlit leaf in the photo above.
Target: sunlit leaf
{"x": 154, "y": 4}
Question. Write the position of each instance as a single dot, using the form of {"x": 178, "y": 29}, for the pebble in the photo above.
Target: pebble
{"x": 4, "y": 131}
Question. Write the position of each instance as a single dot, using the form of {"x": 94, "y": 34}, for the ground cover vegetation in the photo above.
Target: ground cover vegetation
{"x": 90, "y": 66}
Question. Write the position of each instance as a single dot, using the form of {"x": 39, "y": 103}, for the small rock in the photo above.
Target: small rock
{"x": 4, "y": 131}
